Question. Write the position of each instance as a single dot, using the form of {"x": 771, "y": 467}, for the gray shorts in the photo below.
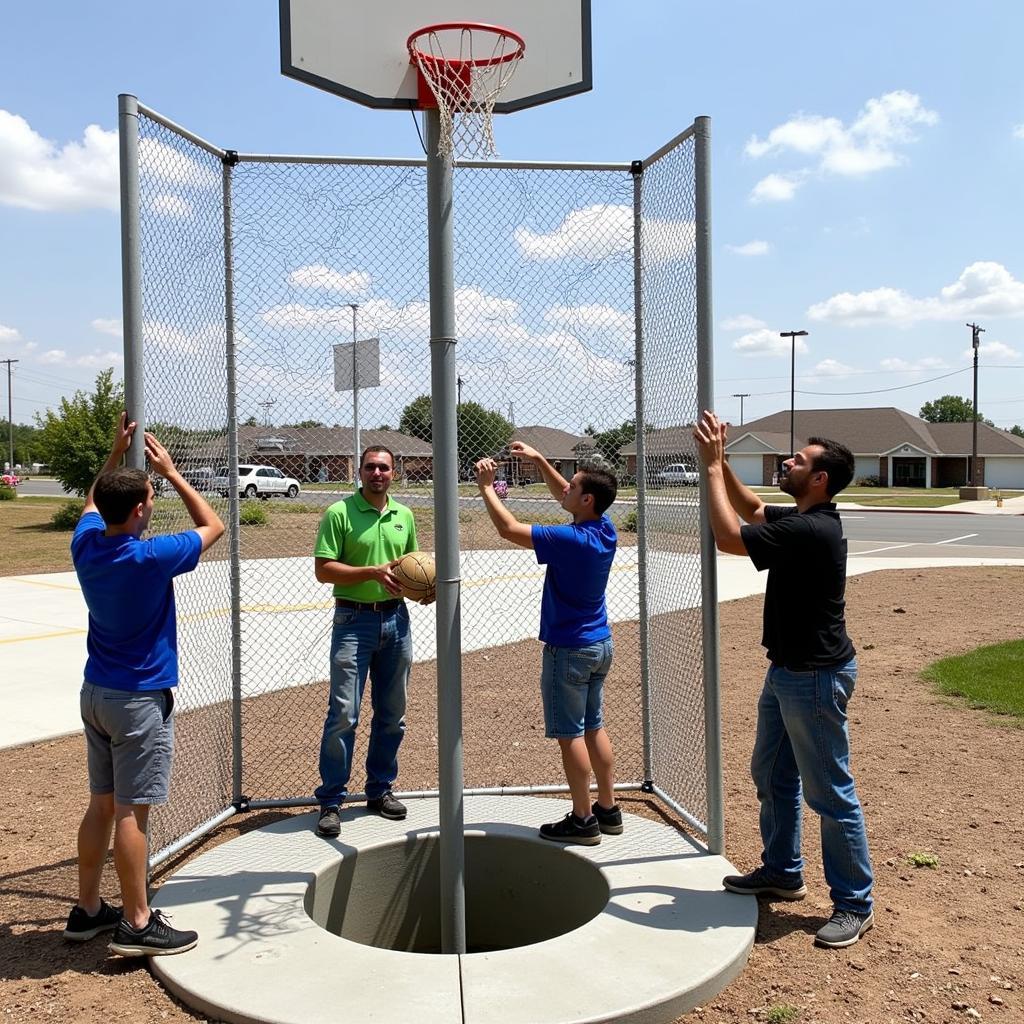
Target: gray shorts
{"x": 130, "y": 741}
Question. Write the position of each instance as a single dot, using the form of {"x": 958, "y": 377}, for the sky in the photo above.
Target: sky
{"x": 867, "y": 171}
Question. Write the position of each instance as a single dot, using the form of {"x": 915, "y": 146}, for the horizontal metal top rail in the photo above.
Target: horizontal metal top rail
{"x": 183, "y": 132}
{"x": 397, "y": 161}
{"x": 670, "y": 145}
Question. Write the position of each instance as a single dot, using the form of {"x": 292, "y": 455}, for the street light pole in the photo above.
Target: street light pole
{"x": 746, "y": 394}
{"x": 976, "y": 333}
{"x": 792, "y": 335}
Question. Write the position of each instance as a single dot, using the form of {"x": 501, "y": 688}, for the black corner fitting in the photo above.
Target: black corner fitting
{"x": 636, "y": 168}
{"x": 230, "y": 157}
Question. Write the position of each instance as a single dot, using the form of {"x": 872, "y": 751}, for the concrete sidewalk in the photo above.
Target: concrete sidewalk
{"x": 1010, "y": 507}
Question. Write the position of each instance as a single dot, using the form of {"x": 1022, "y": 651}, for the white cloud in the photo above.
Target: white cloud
{"x": 38, "y": 174}
{"x": 1018, "y": 131}
{"x": 355, "y": 283}
{"x": 9, "y": 335}
{"x": 776, "y": 188}
{"x": 165, "y": 163}
{"x": 603, "y": 230}
{"x": 173, "y": 339}
{"x": 766, "y": 342}
{"x": 832, "y": 368}
{"x": 753, "y": 248}
{"x": 168, "y": 205}
{"x": 52, "y": 357}
{"x": 995, "y": 349}
{"x": 596, "y": 315}
{"x": 902, "y": 366}
{"x": 983, "y": 289}
{"x": 742, "y": 322}
{"x": 113, "y": 327}
{"x": 96, "y": 359}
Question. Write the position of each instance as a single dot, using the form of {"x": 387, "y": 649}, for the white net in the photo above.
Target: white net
{"x": 466, "y": 69}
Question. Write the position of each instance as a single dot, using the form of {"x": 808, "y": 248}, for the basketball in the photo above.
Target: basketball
{"x": 415, "y": 575}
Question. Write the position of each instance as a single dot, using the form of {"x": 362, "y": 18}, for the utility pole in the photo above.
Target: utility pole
{"x": 266, "y": 405}
{"x": 976, "y": 333}
{"x": 10, "y": 414}
{"x": 356, "y": 452}
{"x": 792, "y": 335}
{"x": 746, "y": 394}
{"x": 458, "y": 385}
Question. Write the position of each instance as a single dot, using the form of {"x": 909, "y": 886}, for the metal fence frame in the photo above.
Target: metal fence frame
{"x": 706, "y": 821}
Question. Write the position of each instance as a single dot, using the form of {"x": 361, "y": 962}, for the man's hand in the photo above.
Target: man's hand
{"x": 524, "y": 451}
{"x": 486, "y": 469}
{"x": 383, "y": 575}
{"x": 160, "y": 460}
{"x": 710, "y": 435}
{"x": 428, "y": 598}
{"x": 122, "y": 437}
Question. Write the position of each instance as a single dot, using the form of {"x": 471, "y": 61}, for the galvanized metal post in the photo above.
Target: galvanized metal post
{"x": 357, "y": 449}
{"x": 131, "y": 273}
{"x": 637, "y": 171}
{"x": 708, "y": 555}
{"x": 444, "y": 438}
{"x": 234, "y": 527}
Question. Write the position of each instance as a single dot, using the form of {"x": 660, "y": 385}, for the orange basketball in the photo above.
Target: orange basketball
{"x": 415, "y": 575}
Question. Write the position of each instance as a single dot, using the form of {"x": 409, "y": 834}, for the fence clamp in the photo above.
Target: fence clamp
{"x": 647, "y": 786}
{"x": 230, "y": 157}
{"x": 636, "y": 168}
{"x": 242, "y": 805}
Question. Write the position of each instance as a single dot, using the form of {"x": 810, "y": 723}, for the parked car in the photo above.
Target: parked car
{"x": 257, "y": 482}
{"x": 201, "y": 479}
{"x": 679, "y": 473}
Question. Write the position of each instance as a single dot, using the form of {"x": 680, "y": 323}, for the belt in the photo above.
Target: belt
{"x": 368, "y": 606}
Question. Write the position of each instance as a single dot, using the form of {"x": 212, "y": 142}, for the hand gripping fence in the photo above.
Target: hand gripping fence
{"x": 582, "y": 300}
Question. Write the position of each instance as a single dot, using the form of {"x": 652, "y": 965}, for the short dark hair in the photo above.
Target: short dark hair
{"x": 118, "y": 491}
{"x": 376, "y": 448}
{"x": 601, "y": 484}
{"x": 836, "y": 460}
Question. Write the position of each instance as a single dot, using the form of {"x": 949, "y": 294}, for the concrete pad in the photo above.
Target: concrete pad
{"x": 668, "y": 938}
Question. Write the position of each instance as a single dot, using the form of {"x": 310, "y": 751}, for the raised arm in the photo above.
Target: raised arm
{"x": 555, "y": 481}
{"x": 509, "y": 528}
{"x": 746, "y": 503}
{"x": 208, "y": 524}
{"x": 122, "y": 442}
{"x": 710, "y": 437}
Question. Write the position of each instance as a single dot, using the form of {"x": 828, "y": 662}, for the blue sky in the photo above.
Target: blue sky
{"x": 867, "y": 171}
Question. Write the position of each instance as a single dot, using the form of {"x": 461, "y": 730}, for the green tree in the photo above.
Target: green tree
{"x": 951, "y": 409}
{"x": 75, "y": 441}
{"x": 482, "y": 432}
{"x": 1017, "y": 429}
{"x": 417, "y": 418}
{"x": 305, "y": 424}
{"x": 25, "y": 443}
{"x": 608, "y": 442}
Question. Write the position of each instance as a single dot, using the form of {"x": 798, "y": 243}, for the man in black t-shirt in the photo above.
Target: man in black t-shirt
{"x": 802, "y": 744}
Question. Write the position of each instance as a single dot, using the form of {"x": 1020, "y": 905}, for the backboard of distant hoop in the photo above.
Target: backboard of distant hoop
{"x": 357, "y": 48}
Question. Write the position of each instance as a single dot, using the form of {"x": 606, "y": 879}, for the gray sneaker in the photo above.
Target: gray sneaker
{"x": 387, "y": 805}
{"x": 329, "y": 823}
{"x": 844, "y": 928}
{"x": 759, "y": 883}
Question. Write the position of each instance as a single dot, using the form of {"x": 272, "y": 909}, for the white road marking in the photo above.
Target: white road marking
{"x": 953, "y": 540}
{"x": 891, "y": 547}
{"x": 846, "y": 516}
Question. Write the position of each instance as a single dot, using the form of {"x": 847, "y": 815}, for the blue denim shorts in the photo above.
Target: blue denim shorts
{"x": 129, "y": 739}
{"x": 572, "y": 688}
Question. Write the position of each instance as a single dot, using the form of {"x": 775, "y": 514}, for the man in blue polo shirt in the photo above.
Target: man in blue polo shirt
{"x": 574, "y": 628}
{"x": 127, "y": 697}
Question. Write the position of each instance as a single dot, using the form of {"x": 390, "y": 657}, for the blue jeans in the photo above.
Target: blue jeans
{"x": 803, "y": 744}
{"x": 378, "y": 644}
{"x": 572, "y": 688}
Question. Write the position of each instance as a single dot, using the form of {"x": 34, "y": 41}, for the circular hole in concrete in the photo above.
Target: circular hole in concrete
{"x": 518, "y": 891}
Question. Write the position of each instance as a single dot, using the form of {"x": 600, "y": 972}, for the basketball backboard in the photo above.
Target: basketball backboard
{"x": 357, "y": 49}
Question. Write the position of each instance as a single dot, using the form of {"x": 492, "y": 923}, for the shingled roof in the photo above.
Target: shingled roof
{"x": 551, "y": 442}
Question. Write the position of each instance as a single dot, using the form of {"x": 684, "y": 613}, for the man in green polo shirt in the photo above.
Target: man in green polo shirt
{"x": 360, "y": 540}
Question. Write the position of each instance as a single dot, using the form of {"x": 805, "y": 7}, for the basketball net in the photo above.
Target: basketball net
{"x": 465, "y": 68}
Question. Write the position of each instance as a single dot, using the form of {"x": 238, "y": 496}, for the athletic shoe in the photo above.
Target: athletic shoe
{"x": 387, "y": 805}
{"x": 573, "y": 830}
{"x": 609, "y": 819}
{"x": 759, "y": 883}
{"x": 82, "y": 926}
{"x": 844, "y": 928}
{"x": 330, "y": 821}
{"x": 158, "y": 938}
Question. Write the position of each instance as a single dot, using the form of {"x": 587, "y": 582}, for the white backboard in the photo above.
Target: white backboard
{"x": 358, "y": 49}
{"x": 364, "y": 370}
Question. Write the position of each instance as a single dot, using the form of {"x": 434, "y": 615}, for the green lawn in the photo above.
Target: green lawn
{"x": 991, "y": 678}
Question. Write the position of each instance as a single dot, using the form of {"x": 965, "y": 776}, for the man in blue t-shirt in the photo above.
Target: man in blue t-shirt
{"x": 127, "y": 697}
{"x": 575, "y": 631}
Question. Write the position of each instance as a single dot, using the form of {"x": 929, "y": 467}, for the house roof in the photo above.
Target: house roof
{"x": 551, "y": 442}
{"x": 256, "y": 442}
{"x": 670, "y": 442}
{"x": 875, "y": 431}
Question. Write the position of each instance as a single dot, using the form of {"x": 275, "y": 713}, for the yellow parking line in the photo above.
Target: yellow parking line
{"x": 42, "y": 636}
{"x": 52, "y": 586}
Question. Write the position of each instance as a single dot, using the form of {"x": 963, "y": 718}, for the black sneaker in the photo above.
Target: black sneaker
{"x": 609, "y": 819}
{"x": 844, "y": 928}
{"x": 759, "y": 883}
{"x": 387, "y": 805}
{"x": 158, "y": 938}
{"x": 330, "y": 821}
{"x": 82, "y": 926}
{"x": 571, "y": 829}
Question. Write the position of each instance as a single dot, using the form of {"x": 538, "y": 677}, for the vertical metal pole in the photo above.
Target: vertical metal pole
{"x": 10, "y": 415}
{"x": 444, "y": 438}
{"x": 355, "y": 399}
{"x": 234, "y": 528}
{"x": 974, "y": 419}
{"x": 708, "y": 558}
{"x": 792, "y": 394}
{"x": 637, "y": 170}
{"x": 131, "y": 272}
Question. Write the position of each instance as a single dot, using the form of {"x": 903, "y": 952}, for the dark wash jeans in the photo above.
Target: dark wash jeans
{"x": 803, "y": 746}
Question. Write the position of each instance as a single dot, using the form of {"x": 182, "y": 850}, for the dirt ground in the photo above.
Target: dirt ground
{"x": 935, "y": 777}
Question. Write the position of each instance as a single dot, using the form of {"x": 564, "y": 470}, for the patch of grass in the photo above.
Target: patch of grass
{"x": 252, "y": 513}
{"x": 781, "y": 1013}
{"x": 923, "y": 860}
{"x": 918, "y": 500}
{"x": 988, "y": 677}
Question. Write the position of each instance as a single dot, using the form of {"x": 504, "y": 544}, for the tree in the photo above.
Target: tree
{"x": 76, "y": 440}
{"x": 1017, "y": 429}
{"x": 608, "y": 442}
{"x": 482, "y": 432}
{"x": 25, "y": 443}
{"x": 305, "y": 424}
{"x": 417, "y": 418}
{"x": 951, "y": 409}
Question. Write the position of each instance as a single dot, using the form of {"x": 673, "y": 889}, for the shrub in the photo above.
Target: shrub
{"x": 7, "y": 493}
{"x": 67, "y": 515}
{"x": 629, "y": 523}
{"x": 868, "y": 481}
{"x": 252, "y": 513}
